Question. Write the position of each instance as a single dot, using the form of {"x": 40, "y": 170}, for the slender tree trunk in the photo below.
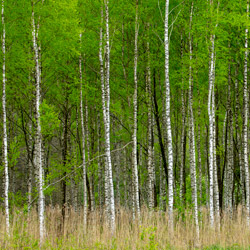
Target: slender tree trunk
{"x": 216, "y": 188}
{"x": 245, "y": 123}
{"x": 211, "y": 134}
{"x": 102, "y": 74}
{"x": 91, "y": 198}
{"x": 109, "y": 190}
{"x": 199, "y": 164}
{"x": 168, "y": 123}
{"x": 30, "y": 165}
{"x": 136, "y": 202}
{"x": 83, "y": 145}
{"x": 100, "y": 169}
{"x": 5, "y": 137}
{"x": 151, "y": 173}
{"x": 229, "y": 174}
{"x": 191, "y": 135}
{"x": 38, "y": 139}
{"x": 157, "y": 120}
{"x": 162, "y": 185}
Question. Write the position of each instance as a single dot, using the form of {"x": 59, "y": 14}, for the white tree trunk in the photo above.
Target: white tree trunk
{"x": 199, "y": 165}
{"x": 38, "y": 140}
{"x": 136, "y": 203}
{"x": 109, "y": 190}
{"x": 216, "y": 187}
{"x": 245, "y": 123}
{"x": 5, "y": 138}
{"x": 168, "y": 124}
{"x": 83, "y": 146}
{"x": 191, "y": 136}
{"x": 151, "y": 172}
{"x": 102, "y": 74}
{"x": 211, "y": 134}
{"x": 229, "y": 173}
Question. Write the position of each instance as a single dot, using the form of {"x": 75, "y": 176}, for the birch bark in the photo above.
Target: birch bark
{"x": 199, "y": 164}
{"x": 38, "y": 139}
{"x": 216, "y": 188}
{"x": 211, "y": 135}
{"x": 168, "y": 122}
{"x": 136, "y": 202}
{"x": 151, "y": 173}
{"x": 109, "y": 189}
{"x": 228, "y": 181}
{"x": 245, "y": 122}
{"x": 83, "y": 145}
{"x": 191, "y": 135}
{"x": 5, "y": 137}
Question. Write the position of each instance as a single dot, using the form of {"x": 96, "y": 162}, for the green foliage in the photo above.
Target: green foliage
{"x": 16, "y": 199}
{"x": 49, "y": 120}
{"x": 14, "y": 151}
{"x": 148, "y": 235}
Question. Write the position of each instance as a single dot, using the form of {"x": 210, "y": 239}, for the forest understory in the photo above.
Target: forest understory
{"x": 152, "y": 232}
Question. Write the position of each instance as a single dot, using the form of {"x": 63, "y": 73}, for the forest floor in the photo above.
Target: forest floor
{"x": 151, "y": 233}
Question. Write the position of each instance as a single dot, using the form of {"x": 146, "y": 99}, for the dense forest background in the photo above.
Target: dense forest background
{"x": 84, "y": 72}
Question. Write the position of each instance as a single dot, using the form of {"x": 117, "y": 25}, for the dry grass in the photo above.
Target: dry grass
{"x": 152, "y": 232}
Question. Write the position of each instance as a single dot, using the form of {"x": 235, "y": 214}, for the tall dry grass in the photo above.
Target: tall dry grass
{"x": 151, "y": 233}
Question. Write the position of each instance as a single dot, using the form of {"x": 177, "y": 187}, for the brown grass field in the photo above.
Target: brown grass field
{"x": 151, "y": 233}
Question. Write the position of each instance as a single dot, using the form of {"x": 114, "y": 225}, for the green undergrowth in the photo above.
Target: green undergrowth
{"x": 146, "y": 241}
{"x": 234, "y": 247}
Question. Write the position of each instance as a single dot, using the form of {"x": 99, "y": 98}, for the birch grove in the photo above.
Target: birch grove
{"x": 121, "y": 117}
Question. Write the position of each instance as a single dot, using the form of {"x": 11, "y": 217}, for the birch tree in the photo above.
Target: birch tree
{"x": 168, "y": 121}
{"x": 211, "y": 144}
{"x": 83, "y": 144}
{"x": 38, "y": 137}
{"x": 211, "y": 127}
{"x": 5, "y": 137}
{"x": 191, "y": 134}
{"x": 105, "y": 77}
{"x": 215, "y": 184}
{"x": 150, "y": 162}
{"x": 229, "y": 171}
{"x": 245, "y": 122}
{"x": 136, "y": 204}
